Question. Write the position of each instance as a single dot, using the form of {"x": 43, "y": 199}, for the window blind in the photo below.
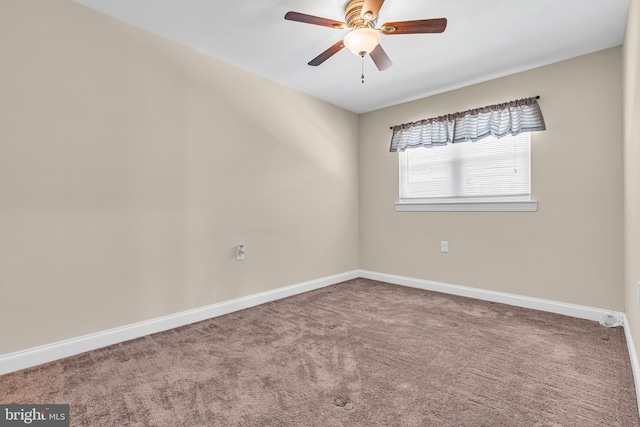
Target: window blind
{"x": 489, "y": 168}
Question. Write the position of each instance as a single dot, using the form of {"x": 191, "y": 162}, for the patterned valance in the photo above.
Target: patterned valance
{"x": 509, "y": 118}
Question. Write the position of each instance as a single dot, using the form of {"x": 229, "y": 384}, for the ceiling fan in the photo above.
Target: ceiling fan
{"x": 364, "y": 38}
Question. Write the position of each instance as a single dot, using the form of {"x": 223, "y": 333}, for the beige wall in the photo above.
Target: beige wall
{"x": 571, "y": 249}
{"x": 631, "y": 97}
{"x": 131, "y": 167}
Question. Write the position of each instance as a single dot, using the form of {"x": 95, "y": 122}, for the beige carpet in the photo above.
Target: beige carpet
{"x": 360, "y": 353}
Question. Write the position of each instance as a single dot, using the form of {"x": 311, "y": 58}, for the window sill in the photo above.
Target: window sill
{"x": 468, "y": 206}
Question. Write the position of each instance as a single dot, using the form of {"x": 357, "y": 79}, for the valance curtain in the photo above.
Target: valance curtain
{"x": 499, "y": 120}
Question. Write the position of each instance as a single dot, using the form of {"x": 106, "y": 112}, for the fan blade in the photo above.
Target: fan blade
{"x": 327, "y": 54}
{"x": 370, "y": 9}
{"x": 380, "y": 58}
{"x": 315, "y": 20}
{"x": 415, "y": 27}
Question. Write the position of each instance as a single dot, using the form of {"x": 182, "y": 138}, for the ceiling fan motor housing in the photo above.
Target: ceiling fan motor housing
{"x": 354, "y": 17}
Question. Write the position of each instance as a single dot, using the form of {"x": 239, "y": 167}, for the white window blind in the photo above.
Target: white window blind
{"x": 489, "y": 169}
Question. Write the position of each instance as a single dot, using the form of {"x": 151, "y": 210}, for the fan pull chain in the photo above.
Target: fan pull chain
{"x": 362, "y": 76}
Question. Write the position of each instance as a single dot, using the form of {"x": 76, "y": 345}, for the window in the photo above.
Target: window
{"x": 492, "y": 174}
{"x": 454, "y": 162}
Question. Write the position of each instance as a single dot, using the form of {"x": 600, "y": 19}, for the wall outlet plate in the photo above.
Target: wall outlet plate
{"x": 240, "y": 253}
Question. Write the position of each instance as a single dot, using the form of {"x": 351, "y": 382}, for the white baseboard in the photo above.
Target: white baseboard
{"x": 635, "y": 367}
{"x": 50, "y": 352}
{"x": 579, "y": 311}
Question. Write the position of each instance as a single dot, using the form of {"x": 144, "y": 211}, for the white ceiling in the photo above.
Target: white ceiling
{"x": 484, "y": 39}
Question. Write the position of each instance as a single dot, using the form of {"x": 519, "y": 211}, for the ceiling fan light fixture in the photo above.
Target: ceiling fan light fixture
{"x": 362, "y": 41}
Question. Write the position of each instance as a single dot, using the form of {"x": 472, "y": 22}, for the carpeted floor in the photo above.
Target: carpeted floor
{"x": 360, "y": 353}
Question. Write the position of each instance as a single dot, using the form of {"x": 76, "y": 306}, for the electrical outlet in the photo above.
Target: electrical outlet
{"x": 444, "y": 246}
{"x": 240, "y": 253}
